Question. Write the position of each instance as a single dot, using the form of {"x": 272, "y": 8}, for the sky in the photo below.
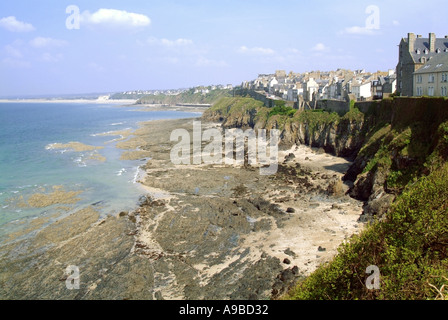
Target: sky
{"x": 76, "y": 46}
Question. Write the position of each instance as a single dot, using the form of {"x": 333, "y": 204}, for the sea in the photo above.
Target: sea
{"x": 29, "y": 164}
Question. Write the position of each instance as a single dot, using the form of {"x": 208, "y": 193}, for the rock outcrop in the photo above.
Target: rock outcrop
{"x": 339, "y": 136}
{"x": 340, "y": 139}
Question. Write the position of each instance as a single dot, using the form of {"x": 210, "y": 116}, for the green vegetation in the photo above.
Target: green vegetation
{"x": 280, "y": 114}
{"x": 282, "y": 110}
{"x": 316, "y": 119}
{"x": 187, "y": 97}
{"x": 354, "y": 115}
{"x": 410, "y": 247}
{"x": 226, "y": 106}
{"x": 406, "y": 139}
{"x": 352, "y": 104}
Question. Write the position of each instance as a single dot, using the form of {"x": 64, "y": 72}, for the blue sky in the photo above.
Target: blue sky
{"x": 131, "y": 45}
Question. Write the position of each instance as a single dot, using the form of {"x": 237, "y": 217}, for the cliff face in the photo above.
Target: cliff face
{"x": 340, "y": 139}
{"x": 389, "y": 141}
{"x": 235, "y": 112}
{"x": 403, "y": 160}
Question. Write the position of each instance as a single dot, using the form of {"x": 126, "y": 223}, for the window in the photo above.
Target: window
{"x": 419, "y": 78}
{"x": 444, "y": 91}
{"x": 419, "y": 91}
{"x": 431, "y": 91}
{"x": 431, "y": 78}
{"x": 444, "y": 77}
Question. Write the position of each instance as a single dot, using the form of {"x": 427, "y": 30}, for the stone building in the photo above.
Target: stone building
{"x": 310, "y": 89}
{"x": 361, "y": 90}
{"x": 432, "y": 79}
{"x": 414, "y": 52}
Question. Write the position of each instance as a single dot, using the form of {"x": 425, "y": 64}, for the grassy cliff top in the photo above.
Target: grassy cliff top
{"x": 187, "y": 97}
{"x": 406, "y": 141}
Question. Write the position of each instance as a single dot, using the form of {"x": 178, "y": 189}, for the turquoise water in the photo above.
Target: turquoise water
{"x": 28, "y": 165}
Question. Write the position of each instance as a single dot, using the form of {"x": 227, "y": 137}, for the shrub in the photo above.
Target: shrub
{"x": 282, "y": 110}
{"x": 410, "y": 248}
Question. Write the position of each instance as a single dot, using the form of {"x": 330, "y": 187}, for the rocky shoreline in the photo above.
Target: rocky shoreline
{"x": 199, "y": 232}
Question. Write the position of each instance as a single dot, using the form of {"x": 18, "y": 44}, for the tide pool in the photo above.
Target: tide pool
{"x": 31, "y": 167}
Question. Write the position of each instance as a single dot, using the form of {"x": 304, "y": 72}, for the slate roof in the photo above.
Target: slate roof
{"x": 438, "y": 63}
{"x": 423, "y": 43}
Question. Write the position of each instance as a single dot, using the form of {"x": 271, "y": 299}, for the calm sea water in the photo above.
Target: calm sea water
{"x": 27, "y": 165}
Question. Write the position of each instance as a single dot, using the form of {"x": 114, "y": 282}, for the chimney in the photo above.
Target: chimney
{"x": 411, "y": 41}
{"x": 432, "y": 42}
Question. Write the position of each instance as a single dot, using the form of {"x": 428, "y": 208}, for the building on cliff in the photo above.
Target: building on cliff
{"x": 414, "y": 53}
{"x": 432, "y": 78}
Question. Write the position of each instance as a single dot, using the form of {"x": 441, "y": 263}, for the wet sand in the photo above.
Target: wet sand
{"x": 46, "y": 198}
{"x": 200, "y": 232}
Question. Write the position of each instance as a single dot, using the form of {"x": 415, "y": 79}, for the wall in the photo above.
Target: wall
{"x": 338, "y": 106}
{"x": 405, "y": 111}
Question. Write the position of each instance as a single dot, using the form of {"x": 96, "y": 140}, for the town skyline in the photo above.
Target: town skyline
{"x": 167, "y": 45}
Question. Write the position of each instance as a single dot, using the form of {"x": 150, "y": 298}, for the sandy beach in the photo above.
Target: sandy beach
{"x": 303, "y": 222}
{"x": 199, "y": 231}
{"x": 184, "y": 108}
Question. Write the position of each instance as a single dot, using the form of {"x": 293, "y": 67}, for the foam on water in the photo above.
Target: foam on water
{"x": 119, "y": 173}
{"x": 29, "y": 161}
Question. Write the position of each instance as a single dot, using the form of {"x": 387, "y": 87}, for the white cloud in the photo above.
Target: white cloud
{"x": 16, "y": 63}
{"x": 396, "y": 23}
{"x": 359, "y": 31}
{"x": 294, "y": 51}
{"x": 41, "y": 42}
{"x": 14, "y": 25}
{"x": 15, "y": 56}
{"x": 256, "y": 50}
{"x": 320, "y": 47}
{"x": 169, "y": 43}
{"x": 13, "y": 52}
{"x": 48, "y": 57}
{"x": 113, "y": 17}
